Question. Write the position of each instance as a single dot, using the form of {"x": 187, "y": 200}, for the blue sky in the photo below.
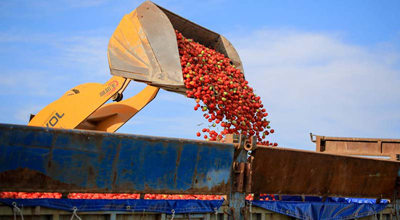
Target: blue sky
{"x": 327, "y": 67}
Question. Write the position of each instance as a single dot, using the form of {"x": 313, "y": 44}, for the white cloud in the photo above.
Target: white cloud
{"x": 182, "y": 125}
{"x": 68, "y": 61}
{"x": 169, "y": 115}
{"x": 40, "y": 8}
{"x": 22, "y": 115}
{"x": 27, "y": 83}
{"x": 88, "y": 53}
{"x": 64, "y": 4}
{"x": 85, "y": 3}
{"x": 316, "y": 82}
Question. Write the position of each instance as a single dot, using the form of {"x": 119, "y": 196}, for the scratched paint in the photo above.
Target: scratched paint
{"x": 85, "y": 161}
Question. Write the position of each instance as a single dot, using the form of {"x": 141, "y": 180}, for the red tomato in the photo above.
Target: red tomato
{"x": 212, "y": 79}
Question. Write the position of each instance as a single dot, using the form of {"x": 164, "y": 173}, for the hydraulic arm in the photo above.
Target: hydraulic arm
{"x": 142, "y": 48}
{"x": 83, "y": 107}
{"x": 78, "y": 103}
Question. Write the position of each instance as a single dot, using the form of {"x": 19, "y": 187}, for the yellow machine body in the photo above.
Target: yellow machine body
{"x": 142, "y": 48}
{"x": 110, "y": 117}
{"x": 77, "y": 104}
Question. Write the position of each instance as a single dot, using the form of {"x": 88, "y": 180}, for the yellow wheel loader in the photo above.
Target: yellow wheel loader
{"x": 143, "y": 48}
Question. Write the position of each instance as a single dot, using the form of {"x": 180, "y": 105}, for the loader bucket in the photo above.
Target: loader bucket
{"x": 144, "y": 46}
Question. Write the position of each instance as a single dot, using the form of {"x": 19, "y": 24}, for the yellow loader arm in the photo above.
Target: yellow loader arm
{"x": 112, "y": 116}
{"x": 77, "y": 104}
{"x": 83, "y": 107}
{"x": 142, "y": 48}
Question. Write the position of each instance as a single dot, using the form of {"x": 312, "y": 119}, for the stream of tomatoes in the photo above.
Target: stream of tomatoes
{"x": 222, "y": 93}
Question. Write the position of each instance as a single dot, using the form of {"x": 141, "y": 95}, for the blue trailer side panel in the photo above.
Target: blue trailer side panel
{"x": 43, "y": 159}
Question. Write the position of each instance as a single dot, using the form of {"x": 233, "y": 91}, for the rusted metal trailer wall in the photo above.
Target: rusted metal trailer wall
{"x": 296, "y": 172}
{"x": 37, "y": 159}
{"x": 385, "y": 148}
{"x": 56, "y": 160}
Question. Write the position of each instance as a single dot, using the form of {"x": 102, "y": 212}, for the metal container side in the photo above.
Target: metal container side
{"x": 37, "y": 159}
{"x": 378, "y": 147}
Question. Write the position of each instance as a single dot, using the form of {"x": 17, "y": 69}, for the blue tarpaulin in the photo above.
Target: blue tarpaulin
{"x": 331, "y": 209}
{"x": 311, "y": 208}
{"x": 320, "y": 199}
{"x": 132, "y": 205}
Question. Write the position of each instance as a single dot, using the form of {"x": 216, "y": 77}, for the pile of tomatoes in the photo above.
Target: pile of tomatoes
{"x": 263, "y": 197}
{"x": 103, "y": 196}
{"x": 41, "y": 195}
{"x": 174, "y": 197}
{"x": 222, "y": 93}
{"x": 26, "y": 195}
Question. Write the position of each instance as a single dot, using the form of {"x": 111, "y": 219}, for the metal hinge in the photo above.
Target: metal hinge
{"x": 242, "y": 173}
{"x": 242, "y": 177}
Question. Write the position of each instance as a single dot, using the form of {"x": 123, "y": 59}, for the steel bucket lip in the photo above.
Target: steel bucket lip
{"x": 172, "y": 16}
{"x": 152, "y": 28}
{"x": 213, "y": 41}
